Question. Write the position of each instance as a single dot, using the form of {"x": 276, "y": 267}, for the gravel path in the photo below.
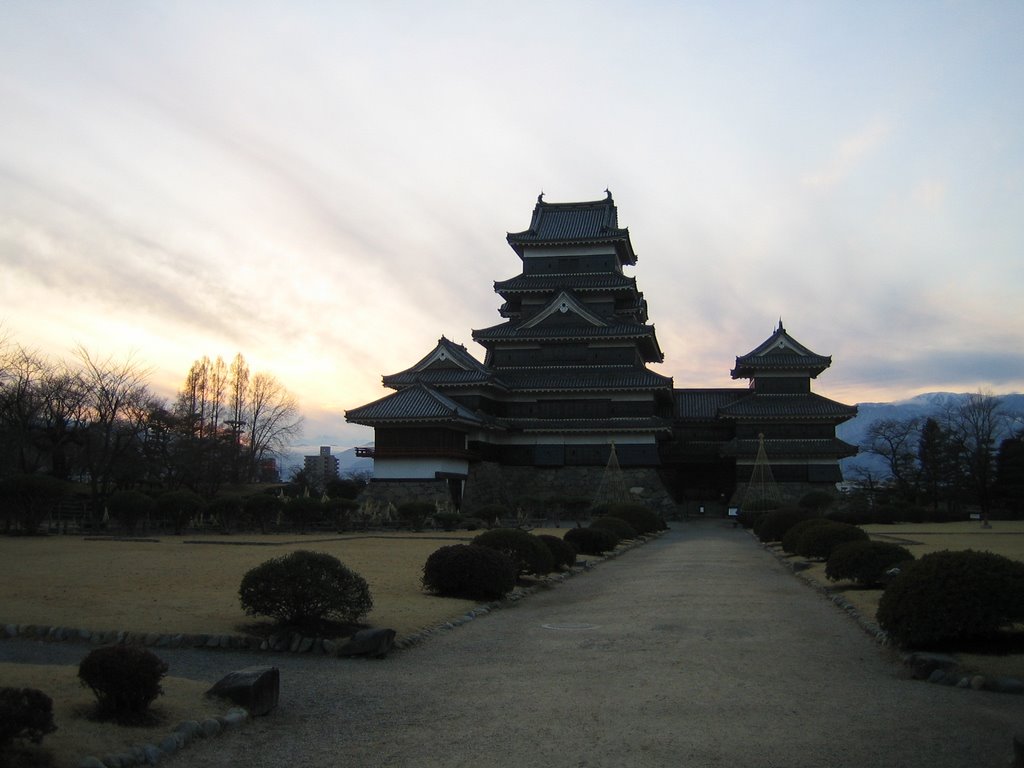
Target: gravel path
{"x": 697, "y": 649}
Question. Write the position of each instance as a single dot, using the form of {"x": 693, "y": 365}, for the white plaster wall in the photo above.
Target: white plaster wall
{"x": 417, "y": 469}
{"x": 584, "y": 250}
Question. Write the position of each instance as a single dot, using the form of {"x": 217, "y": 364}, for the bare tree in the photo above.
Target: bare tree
{"x": 272, "y": 421}
{"x": 896, "y": 441}
{"x": 975, "y": 426}
{"x": 117, "y": 404}
{"x": 20, "y": 406}
{"x": 63, "y": 398}
{"x": 238, "y": 388}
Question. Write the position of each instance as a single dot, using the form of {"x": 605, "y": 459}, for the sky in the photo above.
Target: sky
{"x": 326, "y": 187}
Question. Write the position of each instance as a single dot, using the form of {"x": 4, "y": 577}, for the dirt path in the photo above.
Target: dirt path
{"x": 697, "y": 649}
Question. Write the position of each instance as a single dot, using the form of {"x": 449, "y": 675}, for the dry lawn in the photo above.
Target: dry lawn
{"x": 174, "y": 586}
{"x": 77, "y": 735}
{"x": 1003, "y": 538}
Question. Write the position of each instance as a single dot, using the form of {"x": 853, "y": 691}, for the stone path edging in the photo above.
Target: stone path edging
{"x": 939, "y": 669}
{"x": 190, "y": 730}
{"x": 178, "y": 739}
{"x": 287, "y": 641}
{"x": 415, "y": 638}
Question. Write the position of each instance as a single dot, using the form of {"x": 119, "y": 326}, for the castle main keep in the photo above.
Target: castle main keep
{"x": 564, "y": 393}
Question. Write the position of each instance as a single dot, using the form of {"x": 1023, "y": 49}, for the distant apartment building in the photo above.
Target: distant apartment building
{"x": 321, "y": 469}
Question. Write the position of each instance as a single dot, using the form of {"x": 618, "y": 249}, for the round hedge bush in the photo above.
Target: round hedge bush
{"x": 620, "y": 528}
{"x": 748, "y": 518}
{"x": 528, "y": 552}
{"x": 591, "y": 541}
{"x": 562, "y": 551}
{"x": 25, "y": 713}
{"x": 865, "y": 562}
{"x": 493, "y": 514}
{"x": 470, "y": 572}
{"x": 948, "y": 597}
{"x": 129, "y": 507}
{"x": 304, "y": 588}
{"x": 125, "y": 680}
{"x": 642, "y": 519}
{"x": 416, "y": 513}
{"x": 818, "y": 541}
{"x": 772, "y": 526}
{"x": 792, "y": 537}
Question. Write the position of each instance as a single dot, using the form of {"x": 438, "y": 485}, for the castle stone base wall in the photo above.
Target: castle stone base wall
{"x": 790, "y": 493}
{"x": 491, "y": 483}
{"x": 384, "y": 492}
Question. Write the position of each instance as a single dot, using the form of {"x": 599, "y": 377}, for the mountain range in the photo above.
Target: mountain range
{"x": 855, "y": 430}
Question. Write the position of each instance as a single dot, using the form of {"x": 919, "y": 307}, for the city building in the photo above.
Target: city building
{"x": 322, "y": 468}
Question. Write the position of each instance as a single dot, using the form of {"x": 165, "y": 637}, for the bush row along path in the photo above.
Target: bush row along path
{"x": 698, "y": 649}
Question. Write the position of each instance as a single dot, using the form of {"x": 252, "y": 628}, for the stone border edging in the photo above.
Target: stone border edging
{"x": 415, "y": 638}
{"x": 287, "y": 641}
{"x": 181, "y": 736}
{"x": 940, "y": 669}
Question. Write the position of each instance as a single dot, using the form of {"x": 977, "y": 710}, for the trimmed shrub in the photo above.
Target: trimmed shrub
{"x": 817, "y": 501}
{"x": 791, "y": 538}
{"x": 178, "y": 507}
{"x": 493, "y": 514}
{"x": 948, "y": 597}
{"x": 226, "y": 511}
{"x": 527, "y": 552}
{"x": 642, "y": 519}
{"x": 772, "y": 526}
{"x": 125, "y": 680}
{"x": 339, "y": 511}
{"x": 620, "y": 528}
{"x": 303, "y": 511}
{"x": 818, "y": 541}
{"x": 591, "y": 541}
{"x": 748, "y": 518}
{"x": 25, "y": 713}
{"x": 470, "y": 572}
{"x": 448, "y": 521}
{"x": 30, "y": 499}
{"x": 416, "y": 513}
{"x": 865, "y": 562}
{"x": 261, "y": 509}
{"x": 563, "y": 553}
{"x": 304, "y": 588}
{"x": 129, "y": 507}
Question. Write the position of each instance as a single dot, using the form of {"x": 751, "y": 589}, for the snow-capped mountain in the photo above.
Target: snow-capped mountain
{"x": 855, "y": 430}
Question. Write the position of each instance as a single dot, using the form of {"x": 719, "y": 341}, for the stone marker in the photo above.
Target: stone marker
{"x": 369, "y": 642}
{"x": 1018, "y": 751}
{"x": 255, "y": 688}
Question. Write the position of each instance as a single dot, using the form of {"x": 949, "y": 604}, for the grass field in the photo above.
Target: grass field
{"x": 77, "y": 735}
{"x": 172, "y": 585}
{"x": 1003, "y": 538}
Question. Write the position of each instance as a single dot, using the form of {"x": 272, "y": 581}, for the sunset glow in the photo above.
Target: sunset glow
{"x": 326, "y": 187}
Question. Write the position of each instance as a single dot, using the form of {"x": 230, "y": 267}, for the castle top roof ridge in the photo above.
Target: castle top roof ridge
{"x": 780, "y": 351}
{"x": 591, "y": 221}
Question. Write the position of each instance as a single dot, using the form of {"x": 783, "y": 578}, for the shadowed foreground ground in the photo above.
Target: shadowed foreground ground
{"x": 697, "y": 649}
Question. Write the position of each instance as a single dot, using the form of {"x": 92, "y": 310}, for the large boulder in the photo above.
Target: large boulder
{"x": 255, "y": 688}
{"x": 375, "y": 643}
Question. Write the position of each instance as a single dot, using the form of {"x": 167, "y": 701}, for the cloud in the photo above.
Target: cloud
{"x": 851, "y": 152}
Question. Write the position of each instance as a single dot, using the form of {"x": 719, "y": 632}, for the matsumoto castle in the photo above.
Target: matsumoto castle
{"x": 564, "y": 393}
